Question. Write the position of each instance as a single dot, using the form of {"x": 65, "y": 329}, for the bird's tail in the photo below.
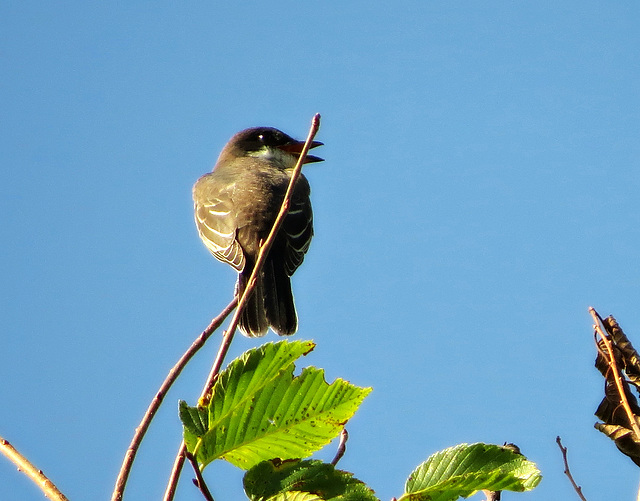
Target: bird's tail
{"x": 270, "y": 304}
{"x": 278, "y": 299}
{"x": 253, "y": 319}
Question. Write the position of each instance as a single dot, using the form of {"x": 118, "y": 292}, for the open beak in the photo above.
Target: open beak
{"x": 296, "y": 147}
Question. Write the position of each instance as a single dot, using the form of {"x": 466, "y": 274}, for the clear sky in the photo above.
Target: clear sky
{"x": 480, "y": 191}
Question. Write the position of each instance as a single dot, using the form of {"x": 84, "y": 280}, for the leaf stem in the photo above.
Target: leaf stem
{"x": 342, "y": 446}
{"x": 199, "y": 480}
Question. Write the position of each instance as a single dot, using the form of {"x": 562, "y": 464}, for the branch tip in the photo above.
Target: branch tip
{"x": 567, "y": 472}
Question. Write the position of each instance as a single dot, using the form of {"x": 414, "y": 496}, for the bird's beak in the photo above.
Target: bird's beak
{"x": 296, "y": 148}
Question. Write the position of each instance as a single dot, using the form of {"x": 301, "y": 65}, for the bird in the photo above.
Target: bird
{"x": 235, "y": 207}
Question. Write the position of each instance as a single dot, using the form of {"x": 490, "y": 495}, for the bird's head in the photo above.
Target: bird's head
{"x": 269, "y": 144}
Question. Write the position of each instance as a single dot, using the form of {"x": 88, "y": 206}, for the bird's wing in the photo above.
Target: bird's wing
{"x": 217, "y": 226}
{"x": 298, "y": 227}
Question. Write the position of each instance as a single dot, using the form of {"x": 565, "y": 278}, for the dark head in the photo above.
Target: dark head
{"x": 270, "y": 144}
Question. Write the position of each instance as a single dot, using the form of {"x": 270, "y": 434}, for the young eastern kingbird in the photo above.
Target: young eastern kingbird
{"x": 235, "y": 207}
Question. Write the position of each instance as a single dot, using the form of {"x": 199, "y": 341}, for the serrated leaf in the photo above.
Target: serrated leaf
{"x": 464, "y": 469}
{"x": 260, "y": 411}
{"x": 194, "y": 419}
{"x": 296, "y": 496}
{"x": 277, "y": 480}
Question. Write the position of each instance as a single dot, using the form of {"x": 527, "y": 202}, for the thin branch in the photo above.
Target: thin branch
{"x": 251, "y": 284}
{"x": 616, "y": 373}
{"x": 178, "y": 462}
{"x": 262, "y": 255}
{"x": 36, "y": 475}
{"x": 567, "y": 472}
{"x": 199, "y": 480}
{"x": 130, "y": 455}
{"x": 342, "y": 447}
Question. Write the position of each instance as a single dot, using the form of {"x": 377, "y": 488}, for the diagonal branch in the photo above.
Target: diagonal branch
{"x": 36, "y": 475}
{"x": 262, "y": 255}
{"x": 175, "y": 371}
{"x": 611, "y": 359}
{"x": 251, "y": 284}
{"x": 567, "y": 472}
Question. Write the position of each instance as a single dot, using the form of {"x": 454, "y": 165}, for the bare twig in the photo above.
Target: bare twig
{"x": 567, "y": 472}
{"x": 342, "y": 447}
{"x": 611, "y": 360}
{"x": 199, "y": 480}
{"x": 262, "y": 255}
{"x": 36, "y": 475}
{"x": 172, "y": 484}
{"x": 127, "y": 463}
{"x": 229, "y": 333}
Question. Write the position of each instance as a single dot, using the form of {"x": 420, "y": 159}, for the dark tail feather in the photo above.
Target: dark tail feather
{"x": 253, "y": 320}
{"x": 278, "y": 299}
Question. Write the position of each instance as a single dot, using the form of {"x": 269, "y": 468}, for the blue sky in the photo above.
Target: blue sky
{"x": 480, "y": 191}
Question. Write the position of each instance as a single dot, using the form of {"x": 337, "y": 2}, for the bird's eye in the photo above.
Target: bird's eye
{"x": 261, "y": 138}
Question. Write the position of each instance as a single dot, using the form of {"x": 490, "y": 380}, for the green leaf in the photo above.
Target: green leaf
{"x": 286, "y": 480}
{"x": 296, "y": 496}
{"x": 260, "y": 411}
{"x": 193, "y": 418}
{"x": 462, "y": 470}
